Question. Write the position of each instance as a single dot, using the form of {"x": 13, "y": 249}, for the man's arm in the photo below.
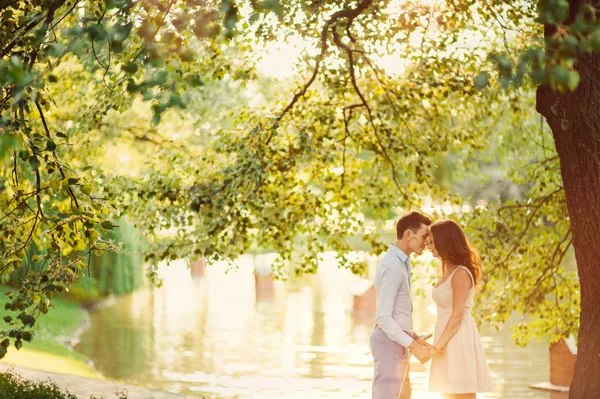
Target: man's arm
{"x": 418, "y": 339}
{"x": 391, "y": 281}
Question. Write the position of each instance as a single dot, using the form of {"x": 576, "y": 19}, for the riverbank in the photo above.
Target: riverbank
{"x": 51, "y": 348}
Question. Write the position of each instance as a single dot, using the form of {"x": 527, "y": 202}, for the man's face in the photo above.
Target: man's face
{"x": 417, "y": 241}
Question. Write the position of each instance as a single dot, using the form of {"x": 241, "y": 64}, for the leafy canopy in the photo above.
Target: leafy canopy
{"x": 227, "y": 160}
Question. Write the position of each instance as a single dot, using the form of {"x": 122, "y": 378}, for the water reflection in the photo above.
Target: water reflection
{"x": 215, "y": 336}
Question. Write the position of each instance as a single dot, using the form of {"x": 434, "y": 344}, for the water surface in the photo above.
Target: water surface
{"x": 219, "y": 336}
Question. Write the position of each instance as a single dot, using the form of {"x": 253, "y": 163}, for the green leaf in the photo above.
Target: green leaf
{"x": 34, "y": 162}
{"x": 561, "y": 75}
{"x": 482, "y": 80}
{"x": 107, "y": 224}
{"x": 50, "y": 145}
{"x": 54, "y": 50}
{"x": 573, "y": 80}
{"x": 131, "y": 67}
{"x": 121, "y": 32}
{"x": 97, "y": 32}
{"x": 561, "y": 10}
{"x": 80, "y": 245}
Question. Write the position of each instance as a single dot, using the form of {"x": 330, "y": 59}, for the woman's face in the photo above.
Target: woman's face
{"x": 431, "y": 245}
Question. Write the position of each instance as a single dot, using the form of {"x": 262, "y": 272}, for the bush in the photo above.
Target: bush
{"x": 13, "y": 386}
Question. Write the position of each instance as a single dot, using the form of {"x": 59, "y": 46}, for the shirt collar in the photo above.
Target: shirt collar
{"x": 400, "y": 254}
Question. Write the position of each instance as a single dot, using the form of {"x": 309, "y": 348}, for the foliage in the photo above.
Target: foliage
{"x": 233, "y": 160}
{"x": 53, "y": 329}
{"x": 114, "y": 273}
{"x": 13, "y": 386}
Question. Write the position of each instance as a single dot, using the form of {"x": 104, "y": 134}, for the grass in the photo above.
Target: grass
{"x": 49, "y": 350}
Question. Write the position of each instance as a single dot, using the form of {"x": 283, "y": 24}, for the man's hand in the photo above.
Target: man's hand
{"x": 421, "y": 352}
{"x": 418, "y": 339}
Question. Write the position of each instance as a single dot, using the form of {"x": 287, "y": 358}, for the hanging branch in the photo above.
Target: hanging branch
{"x": 350, "y": 15}
{"x": 553, "y": 263}
{"x": 60, "y": 169}
{"x": 516, "y": 208}
{"x": 365, "y": 104}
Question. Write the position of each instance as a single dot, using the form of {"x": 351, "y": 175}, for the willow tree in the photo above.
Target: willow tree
{"x": 346, "y": 137}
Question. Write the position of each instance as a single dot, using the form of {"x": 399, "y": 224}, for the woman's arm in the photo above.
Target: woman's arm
{"x": 461, "y": 284}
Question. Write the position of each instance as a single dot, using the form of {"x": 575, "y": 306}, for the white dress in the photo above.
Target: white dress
{"x": 462, "y": 368}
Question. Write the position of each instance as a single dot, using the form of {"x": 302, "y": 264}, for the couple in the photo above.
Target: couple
{"x": 458, "y": 368}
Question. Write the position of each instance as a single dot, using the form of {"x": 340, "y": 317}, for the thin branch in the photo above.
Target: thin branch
{"x": 22, "y": 202}
{"x": 528, "y": 223}
{"x": 160, "y": 25}
{"x": 387, "y": 95}
{"x": 365, "y": 104}
{"x": 14, "y": 173}
{"x": 348, "y": 14}
{"x": 38, "y": 184}
{"x": 6, "y": 50}
{"x": 533, "y": 204}
{"x": 30, "y": 235}
{"x": 347, "y": 120}
{"x": 44, "y": 30}
{"x": 563, "y": 253}
{"x": 75, "y": 3}
{"x": 552, "y": 265}
{"x": 60, "y": 169}
{"x": 55, "y": 64}
{"x": 96, "y": 56}
{"x": 107, "y": 66}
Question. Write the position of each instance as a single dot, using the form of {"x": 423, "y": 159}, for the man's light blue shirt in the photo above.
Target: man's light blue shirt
{"x": 394, "y": 303}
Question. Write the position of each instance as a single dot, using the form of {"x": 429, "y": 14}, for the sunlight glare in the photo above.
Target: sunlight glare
{"x": 394, "y": 65}
{"x": 279, "y": 59}
{"x": 399, "y": 6}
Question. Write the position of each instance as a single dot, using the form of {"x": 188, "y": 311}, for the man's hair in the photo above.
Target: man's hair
{"x": 412, "y": 221}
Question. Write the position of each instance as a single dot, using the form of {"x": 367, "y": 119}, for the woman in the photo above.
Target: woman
{"x": 458, "y": 367}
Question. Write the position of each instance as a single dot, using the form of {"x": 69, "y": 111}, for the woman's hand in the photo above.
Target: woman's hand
{"x": 436, "y": 351}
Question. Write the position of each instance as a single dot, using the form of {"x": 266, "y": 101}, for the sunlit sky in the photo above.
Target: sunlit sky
{"x": 279, "y": 59}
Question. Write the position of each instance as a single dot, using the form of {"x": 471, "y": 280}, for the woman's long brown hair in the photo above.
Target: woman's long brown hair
{"x": 454, "y": 247}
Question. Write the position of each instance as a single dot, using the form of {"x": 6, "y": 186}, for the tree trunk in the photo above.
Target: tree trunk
{"x": 575, "y": 122}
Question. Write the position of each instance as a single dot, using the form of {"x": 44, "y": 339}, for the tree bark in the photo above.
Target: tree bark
{"x": 575, "y": 122}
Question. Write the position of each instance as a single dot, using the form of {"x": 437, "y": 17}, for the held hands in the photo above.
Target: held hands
{"x": 423, "y": 350}
{"x": 435, "y": 351}
{"x": 422, "y": 353}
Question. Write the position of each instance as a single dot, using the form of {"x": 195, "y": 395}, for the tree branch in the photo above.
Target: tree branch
{"x": 351, "y": 65}
{"x": 348, "y": 14}
{"x": 60, "y": 169}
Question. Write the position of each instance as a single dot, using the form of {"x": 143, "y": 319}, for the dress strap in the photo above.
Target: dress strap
{"x": 468, "y": 271}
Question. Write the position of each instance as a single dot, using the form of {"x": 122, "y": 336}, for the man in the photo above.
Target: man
{"x": 392, "y": 336}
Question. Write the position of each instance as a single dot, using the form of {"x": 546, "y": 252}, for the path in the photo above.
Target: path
{"x": 84, "y": 387}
